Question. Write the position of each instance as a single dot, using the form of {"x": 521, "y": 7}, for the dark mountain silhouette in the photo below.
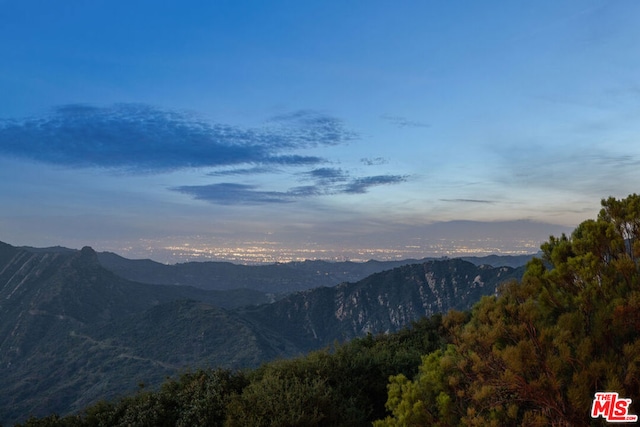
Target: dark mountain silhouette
{"x": 73, "y": 332}
{"x": 279, "y": 278}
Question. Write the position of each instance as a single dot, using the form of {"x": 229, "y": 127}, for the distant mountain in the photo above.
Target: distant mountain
{"x": 513, "y": 261}
{"x": 73, "y": 332}
{"x": 279, "y": 278}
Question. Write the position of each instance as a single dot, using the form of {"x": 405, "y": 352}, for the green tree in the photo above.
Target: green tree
{"x": 343, "y": 386}
{"x": 197, "y": 398}
{"x": 280, "y": 399}
{"x": 537, "y": 353}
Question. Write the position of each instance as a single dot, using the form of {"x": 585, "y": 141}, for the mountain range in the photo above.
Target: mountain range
{"x": 78, "y": 326}
{"x": 278, "y": 278}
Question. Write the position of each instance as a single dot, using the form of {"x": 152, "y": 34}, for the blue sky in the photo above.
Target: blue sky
{"x": 263, "y": 131}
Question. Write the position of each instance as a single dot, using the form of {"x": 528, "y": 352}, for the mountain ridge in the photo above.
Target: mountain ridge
{"x": 73, "y": 332}
{"x": 383, "y": 302}
{"x": 277, "y": 278}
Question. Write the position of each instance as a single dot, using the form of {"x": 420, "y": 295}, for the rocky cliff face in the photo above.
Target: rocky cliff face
{"x": 383, "y": 302}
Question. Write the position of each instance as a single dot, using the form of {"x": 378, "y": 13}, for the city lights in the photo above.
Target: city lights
{"x": 265, "y": 252}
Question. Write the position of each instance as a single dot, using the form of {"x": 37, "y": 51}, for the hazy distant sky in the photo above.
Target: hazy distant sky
{"x": 357, "y": 129}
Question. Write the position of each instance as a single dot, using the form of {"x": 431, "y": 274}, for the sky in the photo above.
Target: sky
{"x": 256, "y": 131}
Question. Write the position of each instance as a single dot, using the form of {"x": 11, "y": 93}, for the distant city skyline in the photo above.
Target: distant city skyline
{"x": 272, "y": 131}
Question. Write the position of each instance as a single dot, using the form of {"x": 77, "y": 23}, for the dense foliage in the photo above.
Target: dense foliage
{"x": 345, "y": 385}
{"x": 536, "y": 354}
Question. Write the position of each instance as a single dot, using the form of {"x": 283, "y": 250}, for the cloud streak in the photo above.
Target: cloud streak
{"x": 325, "y": 182}
{"x": 327, "y": 176}
{"x": 403, "y": 122}
{"x": 141, "y": 139}
{"x": 362, "y": 185}
{"x": 233, "y": 194}
{"x": 314, "y": 128}
{"x": 377, "y": 161}
{"x": 468, "y": 201}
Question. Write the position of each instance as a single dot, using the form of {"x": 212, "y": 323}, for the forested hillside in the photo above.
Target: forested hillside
{"x": 73, "y": 332}
{"x": 341, "y": 386}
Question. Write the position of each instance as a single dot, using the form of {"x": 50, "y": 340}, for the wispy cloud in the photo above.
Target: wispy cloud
{"x": 468, "y": 201}
{"x": 327, "y": 176}
{"x": 234, "y": 194}
{"x": 361, "y": 185}
{"x": 140, "y": 139}
{"x": 313, "y": 127}
{"x": 339, "y": 181}
{"x": 257, "y": 170}
{"x": 326, "y": 182}
{"x": 377, "y": 161}
{"x": 403, "y": 122}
